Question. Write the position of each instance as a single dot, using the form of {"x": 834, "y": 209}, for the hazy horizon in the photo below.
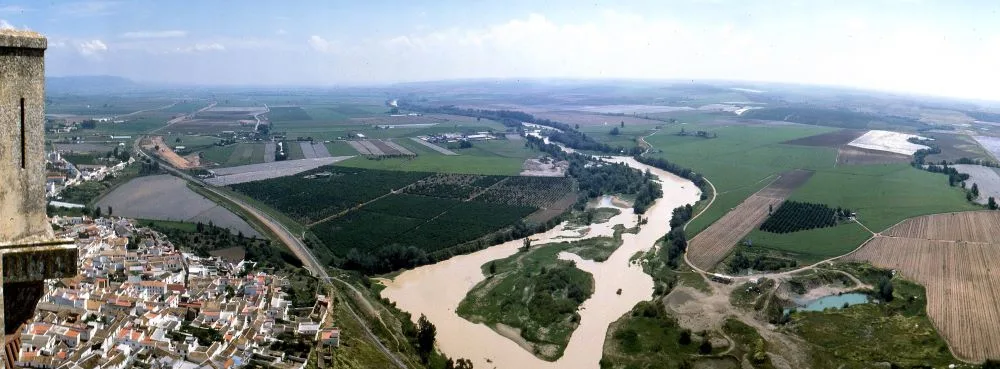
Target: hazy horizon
{"x": 904, "y": 46}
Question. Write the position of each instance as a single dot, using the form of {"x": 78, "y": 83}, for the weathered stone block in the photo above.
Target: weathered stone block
{"x": 29, "y": 253}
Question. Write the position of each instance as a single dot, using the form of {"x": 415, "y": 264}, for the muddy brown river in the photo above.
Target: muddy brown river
{"x": 436, "y": 290}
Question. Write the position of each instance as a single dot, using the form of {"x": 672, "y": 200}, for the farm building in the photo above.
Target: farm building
{"x": 329, "y": 337}
{"x": 308, "y": 328}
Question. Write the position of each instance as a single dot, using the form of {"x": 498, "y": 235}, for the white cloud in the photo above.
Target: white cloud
{"x": 200, "y": 47}
{"x": 320, "y": 44}
{"x": 154, "y": 34}
{"x": 6, "y": 25}
{"x": 92, "y": 47}
{"x": 281, "y": 31}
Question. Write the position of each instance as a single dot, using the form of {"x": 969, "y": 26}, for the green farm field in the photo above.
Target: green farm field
{"x": 744, "y": 159}
{"x": 341, "y": 148}
{"x": 294, "y": 150}
{"x": 190, "y": 141}
{"x": 499, "y": 157}
{"x": 428, "y": 223}
{"x": 626, "y": 137}
{"x": 358, "y": 219}
{"x": 100, "y": 105}
{"x": 812, "y": 245}
{"x": 234, "y": 155}
{"x": 186, "y": 107}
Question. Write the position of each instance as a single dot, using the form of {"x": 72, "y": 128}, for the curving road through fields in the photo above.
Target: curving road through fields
{"x": 294, "y": 244}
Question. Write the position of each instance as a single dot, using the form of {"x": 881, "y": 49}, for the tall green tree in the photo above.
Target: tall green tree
{"x": 426, "y": 334}
{"x": 885, "y": 289}
{"x": 706, "y": 346}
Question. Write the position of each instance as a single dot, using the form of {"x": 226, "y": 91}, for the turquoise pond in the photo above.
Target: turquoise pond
{"x": 834, "y": 301}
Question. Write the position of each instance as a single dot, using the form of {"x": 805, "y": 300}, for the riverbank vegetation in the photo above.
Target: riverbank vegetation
{"x": 531, "y": 296}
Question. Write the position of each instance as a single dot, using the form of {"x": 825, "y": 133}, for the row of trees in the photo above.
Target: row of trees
{"x": 676, "y": 239}
{"x": 681, "y": 215}
{"x": 148, "y": 167}
{"x": 794, "y": 216}
{"x": 677, "y": 170}
{"x": 921, "y": 155}
{"x": 954, "y": 177}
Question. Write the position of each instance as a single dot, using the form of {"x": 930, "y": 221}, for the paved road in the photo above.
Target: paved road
{"x": 294, "y": 244}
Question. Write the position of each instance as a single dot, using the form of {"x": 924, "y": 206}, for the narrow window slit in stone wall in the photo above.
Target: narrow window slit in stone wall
{"x": 23, "y": 142}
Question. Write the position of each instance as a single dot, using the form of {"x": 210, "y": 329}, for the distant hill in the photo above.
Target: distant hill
{"x": 89, "y": 84}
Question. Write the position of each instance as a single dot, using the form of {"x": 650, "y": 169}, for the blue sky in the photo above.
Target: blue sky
{"x": 920, "y": 46}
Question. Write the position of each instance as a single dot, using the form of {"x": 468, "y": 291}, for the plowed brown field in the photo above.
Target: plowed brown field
{"x": 953, "y": 255}
{"x": 714, "y": 243}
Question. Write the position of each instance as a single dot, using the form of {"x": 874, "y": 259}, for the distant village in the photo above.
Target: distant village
{"x": 139, "y": 301}
{"x": 61, "y": 174}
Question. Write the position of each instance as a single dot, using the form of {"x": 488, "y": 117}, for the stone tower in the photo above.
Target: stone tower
{"x": 30, "y": 253}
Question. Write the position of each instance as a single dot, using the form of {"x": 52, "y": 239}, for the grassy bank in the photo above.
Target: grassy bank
{"x": 898, "y": 332}
{"x": 535, "y": 295}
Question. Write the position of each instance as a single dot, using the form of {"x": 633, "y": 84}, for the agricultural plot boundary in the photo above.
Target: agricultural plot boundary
{"x": 433, "y": 146}
{"x": 848, "y": 154}
{"x": 380, "y": 148}
{"x": 314, "y": 150}
{"x": 953, "y": 256}
{"x": 257, "y": 172}
{"x": 713, "y": 244}
{"x": 440, "y": 215}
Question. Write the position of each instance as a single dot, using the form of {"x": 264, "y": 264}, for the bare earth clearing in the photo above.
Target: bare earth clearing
{"x": 549, "y": 168}
{"x": 953, "y": 255}
{"x": 707, "y": 311}
{"x": 165, "y": 197}
{"x": 168, "y": 154}
{"x": 713, "y": 244}
{"x": 888, "y": 141}
{"x": 847, "y": 152}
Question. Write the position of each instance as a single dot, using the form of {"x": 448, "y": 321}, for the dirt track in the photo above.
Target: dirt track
{"x": 713, "y": 244}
